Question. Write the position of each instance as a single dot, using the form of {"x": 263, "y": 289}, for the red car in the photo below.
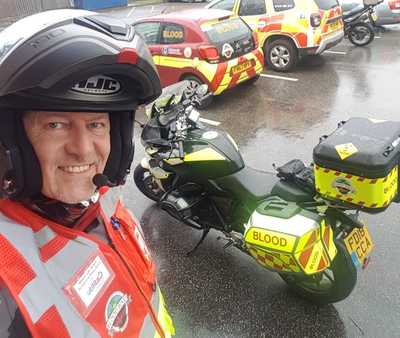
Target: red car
{"x": 208, "y": 46}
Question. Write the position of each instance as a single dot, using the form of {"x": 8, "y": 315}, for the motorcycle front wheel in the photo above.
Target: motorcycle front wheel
{"x": 148, "y": 185}
{"x": 361, "y": 34}
{"x": 332, "y": 285}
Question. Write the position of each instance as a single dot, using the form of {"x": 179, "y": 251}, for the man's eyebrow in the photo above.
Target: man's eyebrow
{"x": 98, "y": 117}
{"x": 55, "y": 114}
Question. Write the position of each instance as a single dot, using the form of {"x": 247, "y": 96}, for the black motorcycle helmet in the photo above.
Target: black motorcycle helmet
{"x": 76, "y": 61}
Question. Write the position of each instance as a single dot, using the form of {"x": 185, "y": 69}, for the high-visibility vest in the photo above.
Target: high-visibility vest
{"x": 67, "y": 283}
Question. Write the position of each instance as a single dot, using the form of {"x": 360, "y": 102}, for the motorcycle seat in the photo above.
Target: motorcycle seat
{"x": 254, "y": 185}
{"x": 354, "y": 11}
{"x": 249, "y": 184}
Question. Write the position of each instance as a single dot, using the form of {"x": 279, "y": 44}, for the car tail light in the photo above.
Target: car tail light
{"x": 394, "y": 5}
{"x": 128, "y": 55}
{"x": 209, "y": 53}
{"x": 255, "y": 39}
{"x": 315, "y": 20}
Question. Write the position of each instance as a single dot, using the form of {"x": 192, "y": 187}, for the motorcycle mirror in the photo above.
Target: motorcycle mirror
{"x": 202, "y": 90}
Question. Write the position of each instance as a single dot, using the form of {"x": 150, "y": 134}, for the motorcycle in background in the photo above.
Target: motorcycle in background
{"x": 359, "y": 23}
{"x": 302, "y": 222}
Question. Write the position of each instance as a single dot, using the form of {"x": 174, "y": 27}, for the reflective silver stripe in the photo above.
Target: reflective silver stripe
{"x": 22, "y": 238}
{"x": 109, "y": 201}
{"x": 148, "y": 329}
{"x": 44, "y": 236}
{"x": 63, "y": 266}
{"x": 46, "y": 289}
{"x": 155, "y": 300}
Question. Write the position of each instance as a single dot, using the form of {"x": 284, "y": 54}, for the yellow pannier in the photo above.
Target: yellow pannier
{"x": 358, "y": 163}
{"x": 283, "y": 237}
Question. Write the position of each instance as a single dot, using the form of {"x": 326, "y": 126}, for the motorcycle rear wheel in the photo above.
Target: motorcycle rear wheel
{"x": 330, "y": 286}
{"x": 364, "y": 30}
{"x": 147, "y": 184}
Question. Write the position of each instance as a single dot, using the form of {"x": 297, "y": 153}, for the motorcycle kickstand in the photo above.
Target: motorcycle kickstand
{"x": 203, "y": 236}
{"x": 228, "y": 244}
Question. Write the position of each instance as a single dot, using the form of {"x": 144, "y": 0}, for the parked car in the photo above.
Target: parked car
{"x": 214, "y": 47}
{"x": 388, "y": 12}
{"x": 289, "y": 29}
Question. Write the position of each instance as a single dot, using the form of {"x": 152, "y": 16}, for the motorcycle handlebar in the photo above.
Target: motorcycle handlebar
{"x": 180, "y": 148}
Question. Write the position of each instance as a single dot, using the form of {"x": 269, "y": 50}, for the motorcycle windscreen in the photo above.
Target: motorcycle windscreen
{"x": 171, "y": 94}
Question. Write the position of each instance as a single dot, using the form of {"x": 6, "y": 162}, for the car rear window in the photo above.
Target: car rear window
{"x": 326, "y": 4}
{"x": 283, "y": 5}
{"x": 224, "y": 4}
{"x": 227, "y": 30}
{"x": 172, "y": 34}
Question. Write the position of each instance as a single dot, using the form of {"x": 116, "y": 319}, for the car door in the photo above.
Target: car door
{"x": 150, "y": 32}
{"x": 173, "y": 49}
{"x": 251, "y": 11}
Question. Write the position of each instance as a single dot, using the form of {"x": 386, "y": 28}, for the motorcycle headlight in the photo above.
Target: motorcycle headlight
{"x": 315, "y": 20}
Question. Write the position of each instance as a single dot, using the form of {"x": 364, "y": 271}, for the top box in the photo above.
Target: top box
{"x": 358, "y": 163}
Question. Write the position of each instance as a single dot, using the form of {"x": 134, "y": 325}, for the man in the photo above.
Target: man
{"x": 74, "y": 262}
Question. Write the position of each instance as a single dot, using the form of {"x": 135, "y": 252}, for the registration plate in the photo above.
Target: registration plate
{"x": 359, "y": 245}
{"x": 334, "y": 26}
{"x": 241, "y": 67}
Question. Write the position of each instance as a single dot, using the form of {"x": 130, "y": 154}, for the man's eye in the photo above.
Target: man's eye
{"x": 97, "y": 125}
{"x": 55, "y": 125}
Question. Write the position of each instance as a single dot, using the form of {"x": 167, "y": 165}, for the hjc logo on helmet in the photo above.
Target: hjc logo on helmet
{"x": 98, "y": 85}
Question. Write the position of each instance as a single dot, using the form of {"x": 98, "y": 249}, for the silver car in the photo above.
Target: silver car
{"x": 388, "y": 12}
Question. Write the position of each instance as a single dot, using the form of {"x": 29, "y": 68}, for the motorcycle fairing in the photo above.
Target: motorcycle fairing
{"x": 207, "y": 158}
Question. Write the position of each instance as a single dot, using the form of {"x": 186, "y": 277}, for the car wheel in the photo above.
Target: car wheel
{"x": 194, "y": 83}
{"x": 281, "y": 55}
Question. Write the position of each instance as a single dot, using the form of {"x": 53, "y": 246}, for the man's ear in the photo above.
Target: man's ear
{"x": 31, "y": 171}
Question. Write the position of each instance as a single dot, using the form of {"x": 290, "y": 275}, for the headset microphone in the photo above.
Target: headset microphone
{"x": 101, "y": 180}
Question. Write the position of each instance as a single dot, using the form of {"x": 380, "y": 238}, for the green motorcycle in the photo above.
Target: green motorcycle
{"x": 302, "y": 222}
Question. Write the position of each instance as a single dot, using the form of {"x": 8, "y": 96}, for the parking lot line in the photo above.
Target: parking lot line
{"x": 335, "y": 52}
{"x": 130, "y": 12}
{"x": 280, "y": 77}
{"x": 210, "y": 122}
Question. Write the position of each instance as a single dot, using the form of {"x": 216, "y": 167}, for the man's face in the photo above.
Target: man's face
{"x": 71, "y": 148}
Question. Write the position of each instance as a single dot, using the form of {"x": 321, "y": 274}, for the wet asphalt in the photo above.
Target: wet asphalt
{"x": 223, "y": 293}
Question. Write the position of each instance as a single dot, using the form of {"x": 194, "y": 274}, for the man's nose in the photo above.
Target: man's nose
{"x": 80, "y": 143}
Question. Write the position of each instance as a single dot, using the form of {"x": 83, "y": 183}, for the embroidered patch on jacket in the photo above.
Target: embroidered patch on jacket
{"x": 116, "y": 312}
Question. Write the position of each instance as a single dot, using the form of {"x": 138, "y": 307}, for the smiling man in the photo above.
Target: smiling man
{"x": 72, "y": 148}
{"x": 74, "y": 261}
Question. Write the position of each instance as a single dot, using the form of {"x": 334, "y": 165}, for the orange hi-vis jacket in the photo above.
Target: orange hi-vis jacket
{"x": 67, "y": 283}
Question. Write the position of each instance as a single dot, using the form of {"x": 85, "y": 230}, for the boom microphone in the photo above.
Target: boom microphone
{"x": 101, "y": 180}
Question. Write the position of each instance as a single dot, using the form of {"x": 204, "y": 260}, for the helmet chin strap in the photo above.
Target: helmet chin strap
{"x": 91, "y": 200}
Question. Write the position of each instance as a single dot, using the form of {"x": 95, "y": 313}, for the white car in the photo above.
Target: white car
{"x": 388, "y": 11}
